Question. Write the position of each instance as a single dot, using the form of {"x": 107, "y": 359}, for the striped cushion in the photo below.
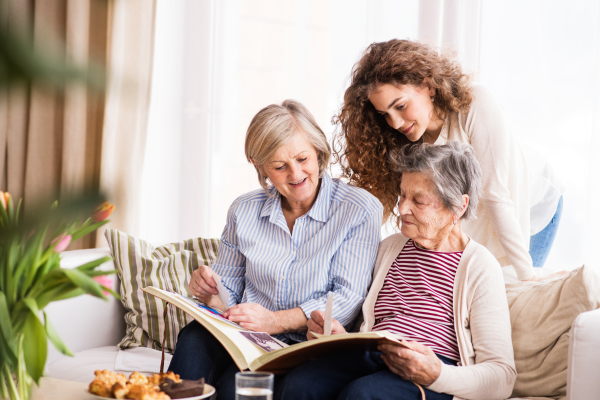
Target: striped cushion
{"x": 169, "y": 267}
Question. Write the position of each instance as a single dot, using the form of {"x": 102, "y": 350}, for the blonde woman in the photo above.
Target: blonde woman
{"x": 285, "y": 247}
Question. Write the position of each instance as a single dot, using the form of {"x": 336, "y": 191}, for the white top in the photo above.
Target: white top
{"x": 481, "y": 320}
{"x": 503, "y": 223}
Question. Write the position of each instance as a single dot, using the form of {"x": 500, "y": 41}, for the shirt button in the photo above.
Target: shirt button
{"x": 282, "y": 277}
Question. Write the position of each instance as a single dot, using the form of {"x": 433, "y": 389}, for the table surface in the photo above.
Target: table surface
{"x": 60, "y": 389}
{"x": 55, "y": 389}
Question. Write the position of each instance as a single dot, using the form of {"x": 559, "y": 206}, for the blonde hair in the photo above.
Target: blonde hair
{"x": 274, "y": 126}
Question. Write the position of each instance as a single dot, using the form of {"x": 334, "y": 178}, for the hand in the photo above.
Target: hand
{"x": 418, "y": 364}
{"x": 203, "y": 284}
{"x": 255, "y": 317}
{"x": 547, "y": 277}
{"x": 317, "y": 322}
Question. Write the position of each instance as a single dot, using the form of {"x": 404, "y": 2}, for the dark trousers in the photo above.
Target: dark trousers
{"x": 358, "y": 375}
{"x": 198, "y": 354}
{"x": 355, "y": 375}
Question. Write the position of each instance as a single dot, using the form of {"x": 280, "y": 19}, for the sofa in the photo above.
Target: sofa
{"x": 91, "y": 328}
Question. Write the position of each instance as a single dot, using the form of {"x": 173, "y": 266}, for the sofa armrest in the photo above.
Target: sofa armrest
{"x": 583, "y": 373}
{"x": 86, "y": 322}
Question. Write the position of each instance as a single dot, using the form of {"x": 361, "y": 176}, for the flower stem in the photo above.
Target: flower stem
{"x": 8, "y": 378}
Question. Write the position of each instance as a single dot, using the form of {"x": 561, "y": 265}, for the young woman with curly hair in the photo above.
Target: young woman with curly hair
{"x": 404, "y": 92}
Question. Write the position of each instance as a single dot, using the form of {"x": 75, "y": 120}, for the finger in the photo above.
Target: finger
{"x": 318, "y": 316}
{"x": 242, "y": 309}
{"x": 241, "y": 318}
{"x": 418, "y": 347}
{"x": 250, "y": 325}
{"x": 207, "y": 275}
{"x": 314, "y": 327}
{"x": 204, "y": 286}
{"x": 394, "y": 368}
{"x": 310, "y": 336}
{"x": 336, "y": 327}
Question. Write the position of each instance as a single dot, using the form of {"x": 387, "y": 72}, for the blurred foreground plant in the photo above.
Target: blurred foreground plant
{"x": 31, "y": 278}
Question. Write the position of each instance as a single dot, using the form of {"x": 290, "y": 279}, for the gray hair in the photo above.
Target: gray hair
{"x": 274, "y": 126}
{"x": 452, "y": 167}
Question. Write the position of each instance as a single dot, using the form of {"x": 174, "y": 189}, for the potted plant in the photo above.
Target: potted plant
{"x": 31, "y": 278}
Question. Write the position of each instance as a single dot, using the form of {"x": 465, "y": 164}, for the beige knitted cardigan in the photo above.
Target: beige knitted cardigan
{"x": 486, "y": 369}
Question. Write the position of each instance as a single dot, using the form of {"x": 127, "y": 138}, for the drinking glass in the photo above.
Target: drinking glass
{"x": 254, "y": 386}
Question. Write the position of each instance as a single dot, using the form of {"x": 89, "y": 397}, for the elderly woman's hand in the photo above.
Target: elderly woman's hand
{"x": 255, "y": 317}
{"x": 203, "y": 284}
{"x": 316, "y": 323}
{"x": 418, "y": 364}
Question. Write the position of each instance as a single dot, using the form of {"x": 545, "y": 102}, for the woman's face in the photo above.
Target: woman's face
{"x": 294, "y": 171}
{"x": 408, "y": 109}
{"x": 424, "y": 216}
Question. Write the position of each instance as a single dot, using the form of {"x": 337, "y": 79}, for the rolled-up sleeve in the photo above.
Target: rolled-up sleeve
{"x": 351, "y": 270}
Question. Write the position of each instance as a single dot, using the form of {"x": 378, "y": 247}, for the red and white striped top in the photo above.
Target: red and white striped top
{"x": 416, "y": 299}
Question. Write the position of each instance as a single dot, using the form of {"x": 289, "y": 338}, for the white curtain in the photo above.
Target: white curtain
{"x": 217, "y": 63}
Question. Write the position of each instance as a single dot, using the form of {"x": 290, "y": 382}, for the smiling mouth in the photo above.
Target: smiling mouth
{"x": 407, "y": 130}
{"x": 298, "y": 183}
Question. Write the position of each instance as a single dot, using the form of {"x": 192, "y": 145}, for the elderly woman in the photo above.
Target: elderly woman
{"x": 435, "y": 287}
{"x": 285, "y": 247}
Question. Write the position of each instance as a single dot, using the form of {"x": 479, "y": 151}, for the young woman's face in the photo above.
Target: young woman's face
{"x": 409, "y": 110}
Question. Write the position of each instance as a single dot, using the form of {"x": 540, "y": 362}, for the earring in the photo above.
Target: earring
{"x": 454, "y": 221}
{"x": 432, "y": 99}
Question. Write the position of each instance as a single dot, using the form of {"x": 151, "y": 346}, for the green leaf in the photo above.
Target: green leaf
{"x": 35, "y": 347}
{"x": 6, "y": 330}
{"x": 59, "y": 292}
{"x": 88, "y": 229}
{"x": 54, "y": 338}
{"x": 93, "y": 264}
{"x": 32, "y": 305}
{"x": 85, "y": 282}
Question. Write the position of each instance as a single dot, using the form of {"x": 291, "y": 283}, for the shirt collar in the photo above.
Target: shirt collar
{"x": 319, "y": 211}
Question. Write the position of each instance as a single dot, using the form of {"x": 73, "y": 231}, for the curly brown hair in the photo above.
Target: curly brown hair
{"x": 363, "y": 141}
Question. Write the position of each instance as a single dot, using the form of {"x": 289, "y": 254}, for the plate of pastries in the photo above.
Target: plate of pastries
{"x": 164, "y": 386}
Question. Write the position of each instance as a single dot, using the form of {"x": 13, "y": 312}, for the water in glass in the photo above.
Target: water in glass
{"x": 251, "y": 393}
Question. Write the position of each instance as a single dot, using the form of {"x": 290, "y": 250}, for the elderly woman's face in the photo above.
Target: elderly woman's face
{"x": 294, "y": 171}
{"x": 408, "y": 109}
{"x": 424, "y": 216}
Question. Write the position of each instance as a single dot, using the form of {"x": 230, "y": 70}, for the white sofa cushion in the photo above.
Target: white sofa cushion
{"x": 584, "y": 353}
{"x": 81, "y": 367}
{"x": 86, "y": 322}
{"x": 541, "y": 314}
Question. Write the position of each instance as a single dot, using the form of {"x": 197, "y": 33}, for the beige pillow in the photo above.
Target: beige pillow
{"x": 169, "y": 267}
{"x": 541, "y": 314}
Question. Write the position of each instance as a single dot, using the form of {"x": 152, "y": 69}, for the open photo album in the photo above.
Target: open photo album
{"x": 259, "y": 351}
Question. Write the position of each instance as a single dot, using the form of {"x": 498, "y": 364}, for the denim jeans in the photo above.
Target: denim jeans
{"x": 541, "y": 243}
{"x": 356, "y": 375}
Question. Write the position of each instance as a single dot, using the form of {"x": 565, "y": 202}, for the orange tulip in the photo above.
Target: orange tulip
{"x": 4, "y": 197}
{"x": 103, "y": 211}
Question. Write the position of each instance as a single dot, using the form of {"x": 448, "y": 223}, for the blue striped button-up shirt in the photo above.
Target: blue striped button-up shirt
{"x": 332, "y": 248}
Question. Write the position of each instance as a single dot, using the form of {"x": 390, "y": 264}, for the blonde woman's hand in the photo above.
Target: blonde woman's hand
{"x": 418, "y": 364}
{"x": 255, "y": 317}
{"x": 316, "y": 323}
{"x": 203, "y": 284}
